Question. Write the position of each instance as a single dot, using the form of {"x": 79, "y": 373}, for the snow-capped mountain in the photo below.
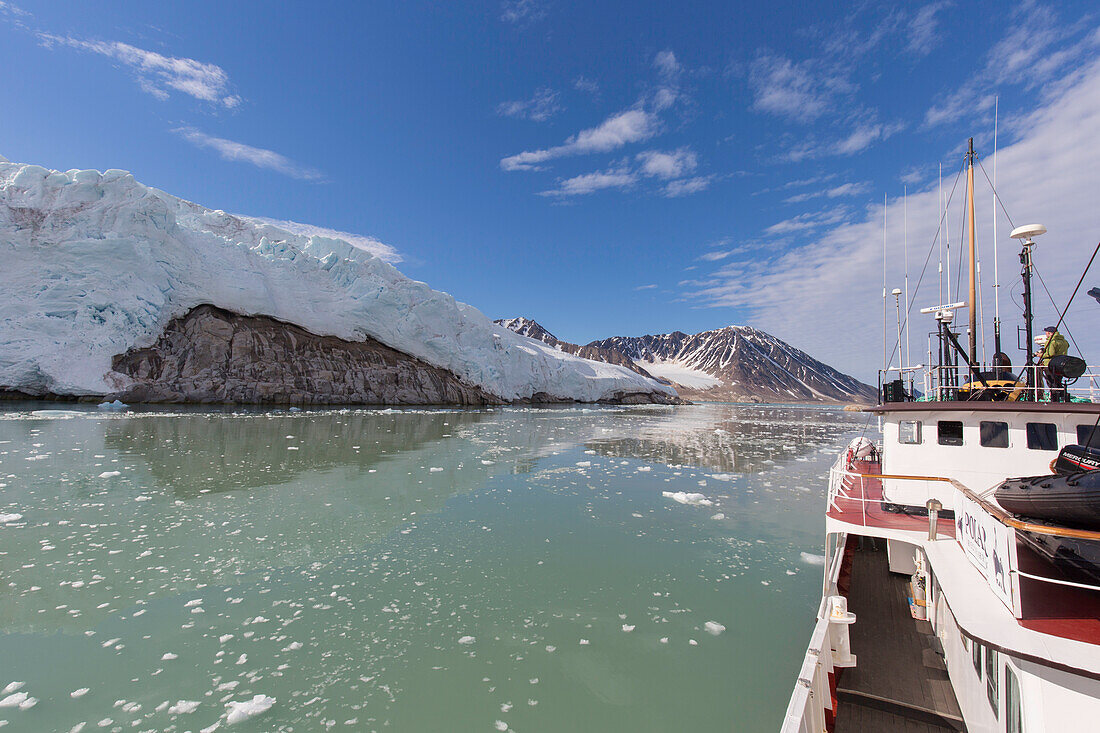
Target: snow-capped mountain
{"x": 99, "y": 271}
{"x": 739, "y": 363}
{"x": 530, "y": 329}
{"x": 533, "y": 329}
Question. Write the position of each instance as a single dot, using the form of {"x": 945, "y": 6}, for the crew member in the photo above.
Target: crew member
{"x": 1056, "y": 345}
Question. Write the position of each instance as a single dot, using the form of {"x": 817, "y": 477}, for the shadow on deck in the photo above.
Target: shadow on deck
{"x": 900, "y": 682}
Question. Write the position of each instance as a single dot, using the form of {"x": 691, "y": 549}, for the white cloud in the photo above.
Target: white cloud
{"x": 632, "y": 125}
{"x": 667, "y": 165}
{"x": 1049, "y": 175}
{"x": 239, "y": 152}
{"x": 844, "y": 189}
{"x": 522, "y": 13}
{"x": 618, "y": 178}
{"x": 540, "y": 107}
{"x": 717, "y": 255}
{"x": 646, "y": 287}
{"x": 584, "y": 84}
{"x": 366, "y": 243}
{"x": 665, "y": 62}
{"x": 923, "y": 28}
{"x": 864, "y": 136}
{"x": 158, "y": 74}
{"x": 1037, "y": 50}
{"x": 687, "y": 186}
{"x": 810, "y": 220}
{"x": 800, "y": 91}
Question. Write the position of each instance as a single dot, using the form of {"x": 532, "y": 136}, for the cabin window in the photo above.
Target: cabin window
{"x": 994, "y": 434}
{"x": 1042, "y": 436}
{"x": 992, "y": 680}
{"x": 1088, "y": 436}
{"x": 976, "y": 657}
{"x": 909, "y": 432}
{"x": 1014, "y": 717}
{"x": 950, "y": 432}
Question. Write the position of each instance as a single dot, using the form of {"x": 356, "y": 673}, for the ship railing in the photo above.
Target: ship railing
{"x": 811, "y": 705}
{"x": 1013, "y": 384}
{"x": 986, "y": 532}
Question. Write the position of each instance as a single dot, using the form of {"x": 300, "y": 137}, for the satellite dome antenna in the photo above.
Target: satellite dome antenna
{"x": 1026, "y": 234}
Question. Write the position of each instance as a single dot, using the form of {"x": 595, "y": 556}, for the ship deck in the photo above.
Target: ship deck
{"x": 900, "y": 681}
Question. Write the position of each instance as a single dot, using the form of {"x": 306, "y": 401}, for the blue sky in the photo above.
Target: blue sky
{"x": 605, "y": 168}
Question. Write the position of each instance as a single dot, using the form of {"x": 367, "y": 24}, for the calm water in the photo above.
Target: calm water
{"x": 410, "y": 571}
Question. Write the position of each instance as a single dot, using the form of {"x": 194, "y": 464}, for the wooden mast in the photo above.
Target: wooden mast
{"x": 972, "y": 303}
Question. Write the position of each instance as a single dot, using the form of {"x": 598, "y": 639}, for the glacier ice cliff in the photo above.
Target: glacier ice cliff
{"x": 94, "y": 266}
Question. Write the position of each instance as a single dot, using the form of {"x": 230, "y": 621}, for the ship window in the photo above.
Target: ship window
{"x": 994, "y": 434}
{"x": 950, "y": 432}
{"x": 1014, "y": 717}
{"x": 909, "y": 432}
{"x": 976, "y": 657}
{"x": 991, "y": 680}
{"x": 1042, "y": 436}
{"x": 1088, "y": 436}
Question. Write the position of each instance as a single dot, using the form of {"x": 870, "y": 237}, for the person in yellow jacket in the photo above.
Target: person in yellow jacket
{"x": 1056, "y": 345}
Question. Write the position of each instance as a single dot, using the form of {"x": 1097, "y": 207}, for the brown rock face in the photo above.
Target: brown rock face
{"x": 214, "y": 356}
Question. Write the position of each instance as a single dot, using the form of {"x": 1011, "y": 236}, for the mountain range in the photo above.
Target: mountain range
{"x": 731, "y": 364}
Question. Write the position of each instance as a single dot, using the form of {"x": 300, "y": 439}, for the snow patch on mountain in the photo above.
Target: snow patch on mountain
{"x": 679, "y": 373}
{"x": 96, "y": 264}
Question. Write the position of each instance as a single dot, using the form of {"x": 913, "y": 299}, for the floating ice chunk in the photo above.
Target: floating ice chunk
{"x": 811, "y": 559}
{"x": 13, "y": 517}
{"x": 78, "y": 727}
{"x": 467, "y": 640}
{"x": 29, "y": 703}
{"x": 13, "y": 700}
{"x": 12, "y": 687}
{"x": 585, "y": 642}
{"x": 643, "y": 469}
{"x": 110, "y": 474}
{"x": 664, "y": 639}
{"x": 500, "y": 725}
{"x": 487, "y": 463}
{"x": 435, "y": 469}
{"x": 239, "y": 711}
{"x": 192, "y": 603}
{"x": 224, "y": 638}
{"x": 115, "y": 406}
{"x": 685, "y": 497}
{"x": 168, "y": 656}
{"x": 77, "y": 694}
{"x": 714, "y": 628}
{"x": 693, "y": 642}
{"x": 584, "y": 464}
{"x": 628, "y": 628}
{"x": 183, "y": 707}
{"x": 143, "y": 497}
{"x": 295, "y": 645}
{"x": 719, "y": 515}
{"x": 550, "y": 648}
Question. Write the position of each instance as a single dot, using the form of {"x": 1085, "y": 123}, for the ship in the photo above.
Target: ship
{"x": 961, "y": 587}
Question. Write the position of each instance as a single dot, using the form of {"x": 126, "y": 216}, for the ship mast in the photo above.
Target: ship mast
{"x": 973, "y": 275}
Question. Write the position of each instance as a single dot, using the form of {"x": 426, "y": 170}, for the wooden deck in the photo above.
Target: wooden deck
{"x": 900, "y": 681}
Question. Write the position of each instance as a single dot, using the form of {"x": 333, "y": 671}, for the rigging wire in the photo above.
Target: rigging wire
{"x": 928, "y": 257}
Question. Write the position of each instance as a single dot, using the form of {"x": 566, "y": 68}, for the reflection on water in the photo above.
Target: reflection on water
{"x": 411, "y": 570}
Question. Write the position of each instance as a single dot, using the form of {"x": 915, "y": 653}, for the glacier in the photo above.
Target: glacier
{"x": 96, "y": 264}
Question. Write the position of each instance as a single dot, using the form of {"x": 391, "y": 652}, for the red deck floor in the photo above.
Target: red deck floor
{"x": 861, "y": 503}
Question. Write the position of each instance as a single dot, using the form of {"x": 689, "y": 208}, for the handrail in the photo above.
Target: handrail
{"x": 1009, "y": 521}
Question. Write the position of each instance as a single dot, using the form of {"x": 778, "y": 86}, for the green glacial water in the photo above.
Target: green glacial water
{"x": 415, "y": 570}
